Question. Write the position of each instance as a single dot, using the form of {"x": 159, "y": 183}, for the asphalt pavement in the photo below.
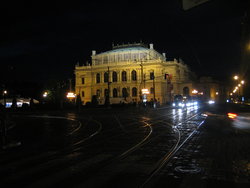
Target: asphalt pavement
{"x": 197, "y": 146}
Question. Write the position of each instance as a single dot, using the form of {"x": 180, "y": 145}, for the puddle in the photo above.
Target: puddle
{"x": 188, "y": 169}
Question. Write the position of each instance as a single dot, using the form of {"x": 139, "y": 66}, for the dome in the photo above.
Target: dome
{"x": 126, "y": 49}
{"x": 129, "y": 52}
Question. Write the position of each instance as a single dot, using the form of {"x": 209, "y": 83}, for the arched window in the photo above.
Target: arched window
{"x": 106, "y": 92}
{"x": 152, "y": 76}
{"x": 134, "y": 92}
{"x": 98, "y": 78}
{"x": 185, "y": 91}
{"x": 83, "y": 80}
{"x": 124, "y": 92}
{"x": 124, "y": 76}
{"x": 98, "y": 93}
{"x": 114, "y": 77}
{"x": 133, "y": 75}
{"x": 106, "y": 77}
{"x": 115, "y": 93}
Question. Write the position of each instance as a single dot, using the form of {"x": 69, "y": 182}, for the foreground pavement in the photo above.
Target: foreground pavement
{"x": 128, "y": 148}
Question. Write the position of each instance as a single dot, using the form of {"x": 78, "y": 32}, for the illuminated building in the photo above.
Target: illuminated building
{"x": 124, "y": 71}
{"x": 211, "y": 89}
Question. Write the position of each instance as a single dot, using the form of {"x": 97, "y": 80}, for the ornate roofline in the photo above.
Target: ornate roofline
{"x": 118, "y": 46}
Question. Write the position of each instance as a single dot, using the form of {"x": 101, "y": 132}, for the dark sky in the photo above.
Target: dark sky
{"x": 40, "y": 41}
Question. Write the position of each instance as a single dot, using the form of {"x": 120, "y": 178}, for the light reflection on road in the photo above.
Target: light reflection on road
{"x": 242, "y": 122}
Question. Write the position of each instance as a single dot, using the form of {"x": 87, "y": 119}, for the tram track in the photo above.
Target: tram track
{"x": 170, "y": 154}
{"x": 122, "y": 157}
{"x": 122, "y": 154}
{"x": 162, "y": 162}
{"x": 112, "y": 159}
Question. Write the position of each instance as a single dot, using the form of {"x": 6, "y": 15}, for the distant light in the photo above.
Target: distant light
{"x": 232, "y": 115}
{"x": 194, "y": 91}
{"x": 227, "y": 100}
{"x": 5, "y": 92}
{"x": 71, "y": 95}
{"x": 45, "y": 94}
{"x": 217, "y": 93}
{"x": 242, "y": 99}
{"x": 211, "y": 102}
{"x": 236, "y": 77}
{"x": 173, "y": 104}
{"x": 239, "y": 85}
{"x": 145, "y": 91}
{"x": 242, "y": 82}
{"x": 231, "y": 94}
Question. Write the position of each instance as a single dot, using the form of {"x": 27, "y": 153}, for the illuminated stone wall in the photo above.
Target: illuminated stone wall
{"x": 128, "y": 60}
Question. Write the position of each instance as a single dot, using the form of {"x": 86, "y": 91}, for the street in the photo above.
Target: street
{"x": 126, "y": 147}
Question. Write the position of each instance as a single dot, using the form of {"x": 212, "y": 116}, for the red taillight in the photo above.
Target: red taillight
{"x": 232, "y": 115}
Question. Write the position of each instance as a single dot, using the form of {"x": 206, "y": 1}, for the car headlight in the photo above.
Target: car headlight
{"x": 211, "y": 102}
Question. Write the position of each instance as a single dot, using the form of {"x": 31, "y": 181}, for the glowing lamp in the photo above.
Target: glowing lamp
{"x": 236, "y": 77}
{"x": 145, "y": 91}
{"x": 194, "y": 91}
{"x": 71, "y": 95}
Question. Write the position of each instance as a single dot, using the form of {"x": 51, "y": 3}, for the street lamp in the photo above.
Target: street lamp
{"x": 236, "y": 77}
{"x": 45, "y": 94}
{"x": 194, "y": 91}
{"x": 4, "y": 97}
{"x": 144, "y": 92}
{"x": 71, "y": 95}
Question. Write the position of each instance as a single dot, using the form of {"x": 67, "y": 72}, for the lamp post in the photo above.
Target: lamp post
{"x": 154, "y": 87}
{"x": 239, "y": 87}
{"x": 4, "y": 97}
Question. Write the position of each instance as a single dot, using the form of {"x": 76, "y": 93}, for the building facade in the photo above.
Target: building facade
{"x": 211, "y": 89}
{"x": 121, "y": 73}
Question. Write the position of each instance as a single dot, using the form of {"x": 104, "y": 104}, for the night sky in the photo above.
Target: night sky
{"x": 41, "y": 42}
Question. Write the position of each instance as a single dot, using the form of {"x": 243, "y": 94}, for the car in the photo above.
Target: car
{"x": 178, "y": 102}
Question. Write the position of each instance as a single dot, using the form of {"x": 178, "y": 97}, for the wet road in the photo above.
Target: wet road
{"x": 103, "y": 148}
